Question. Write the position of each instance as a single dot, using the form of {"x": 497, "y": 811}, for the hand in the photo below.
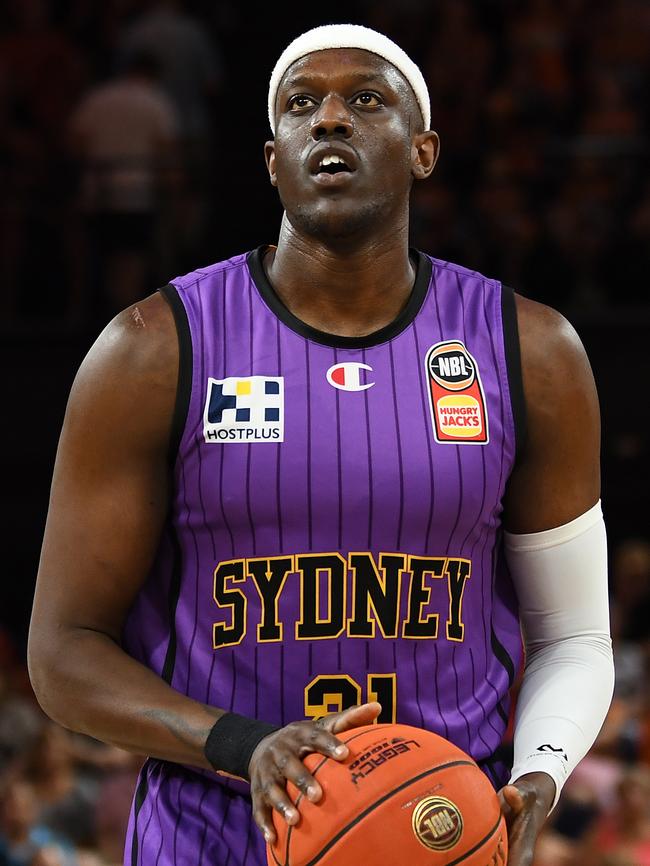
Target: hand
{"x": 277, "y": 758}
{"x": 525, "y": 806}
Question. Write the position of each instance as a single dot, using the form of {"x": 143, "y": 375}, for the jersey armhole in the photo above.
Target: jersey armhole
{"x": 184, "y": 384}
{"x": 513, "y": 366}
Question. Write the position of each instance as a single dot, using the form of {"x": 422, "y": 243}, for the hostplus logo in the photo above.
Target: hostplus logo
{"x": 247, "y": 409}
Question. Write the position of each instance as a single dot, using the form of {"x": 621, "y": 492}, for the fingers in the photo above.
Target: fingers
{"x": 263, "y": 817}
{"x": 277, "y": 760}
{"x": 295, "y": 771}
{"x": 320, "y": 739}
{"x": 355, "y": 717}
{"x": 278, "y": 799}
{"x": 267, "y": 796}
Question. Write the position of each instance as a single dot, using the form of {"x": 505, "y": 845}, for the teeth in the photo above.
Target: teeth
{"x": 332, "y": 159}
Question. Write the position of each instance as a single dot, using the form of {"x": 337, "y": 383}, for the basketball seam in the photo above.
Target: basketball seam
{"x": 478, "y": 844}
{"x": 383, "y": 799}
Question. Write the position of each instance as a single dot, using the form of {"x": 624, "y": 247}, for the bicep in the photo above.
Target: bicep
{"x": 557, "y": 477}
{"x": 109, "y": 491}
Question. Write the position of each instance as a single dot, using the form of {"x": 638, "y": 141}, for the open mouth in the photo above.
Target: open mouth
{"x": 333, "y": 164}
{"x": 332, "y": 167}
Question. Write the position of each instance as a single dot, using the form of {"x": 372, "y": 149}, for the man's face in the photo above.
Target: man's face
{"x": 347, "y": 143}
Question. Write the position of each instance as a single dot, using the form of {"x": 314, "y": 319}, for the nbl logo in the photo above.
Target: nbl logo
{"x": 246, "y": 409}
{"x": 437, "y": 823}
{"x": 451, "y": 367}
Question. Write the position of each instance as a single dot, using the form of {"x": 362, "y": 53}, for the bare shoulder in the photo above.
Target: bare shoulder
{"x": 129, "y": 376}
{"x": 141, "y": 339}
{"x": 559, "y": 386}
{"x": 553, "y": 358}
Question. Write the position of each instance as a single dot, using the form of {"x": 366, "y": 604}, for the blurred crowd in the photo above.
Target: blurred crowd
{"x": 106, "y": 136}
{"x": 126, "y": 125}
{"x": 64, "y": 798}
{"x": 544, "y": 120}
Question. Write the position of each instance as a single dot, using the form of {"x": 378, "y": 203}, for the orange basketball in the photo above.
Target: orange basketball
{"x": 402, "y": 796}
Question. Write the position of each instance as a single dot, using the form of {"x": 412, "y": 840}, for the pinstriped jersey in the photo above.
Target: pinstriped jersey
{"x": 335, "y": 525}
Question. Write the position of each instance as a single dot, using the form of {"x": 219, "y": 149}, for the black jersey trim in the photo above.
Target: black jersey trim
{"x": 502, "y": 655}
{"x": 513, "y": 365}
{"x": 140, "y": 796}
{"x": 423, "y": 268}
{"x": 179, "y": 419}
{"x": 174, "y": 596}
{"x": 184, "y": 384}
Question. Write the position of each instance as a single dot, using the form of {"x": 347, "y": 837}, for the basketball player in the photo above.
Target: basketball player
{"x": 321, "y": 483}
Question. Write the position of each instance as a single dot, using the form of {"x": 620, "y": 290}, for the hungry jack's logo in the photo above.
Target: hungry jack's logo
{"x": 456, "y": 394}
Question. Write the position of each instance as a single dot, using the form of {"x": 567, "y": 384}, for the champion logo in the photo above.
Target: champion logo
{"x": 347, "y": 376}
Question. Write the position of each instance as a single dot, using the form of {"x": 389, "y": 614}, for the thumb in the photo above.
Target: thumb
{"x": 354, "y": 717}
{"x": 511, "y": 801}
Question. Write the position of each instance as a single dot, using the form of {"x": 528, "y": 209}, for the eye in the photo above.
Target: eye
{"x": 367, "y": 99}
{"x": 300, "y": 101}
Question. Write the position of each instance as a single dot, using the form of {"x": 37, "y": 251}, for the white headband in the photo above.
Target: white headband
{"x": 350, "y": 36}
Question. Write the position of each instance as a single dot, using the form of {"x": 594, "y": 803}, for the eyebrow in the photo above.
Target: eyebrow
{"x": 357, "y": 78}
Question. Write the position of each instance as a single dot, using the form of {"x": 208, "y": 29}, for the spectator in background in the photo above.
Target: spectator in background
{"x": 191, "y": 73}
{"x": 190, "y": 65}
{"x": 20, "y": 725}
{"x": 66, "y": 797}
{"x": 24, "y": 841}
{"x": 124, "y": 136}
{"x": 631, "y": 592}
{"x": 624, "y": 832}
{"x": 553, "y": 850}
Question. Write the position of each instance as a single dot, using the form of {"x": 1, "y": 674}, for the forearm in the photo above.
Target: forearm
{"x": 561, "y": 581}
{"x": 86, "y": 682}
{"x": 563, "y": 700}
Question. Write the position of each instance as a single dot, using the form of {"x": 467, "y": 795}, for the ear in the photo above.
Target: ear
{"x": 424, "y": 154}
{"x": 269, "y": 156}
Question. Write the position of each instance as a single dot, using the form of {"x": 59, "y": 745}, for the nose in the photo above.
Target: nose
{"x": 332, "y": 118}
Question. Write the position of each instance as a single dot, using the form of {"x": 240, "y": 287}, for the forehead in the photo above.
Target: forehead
{"x": 340, "y": 66}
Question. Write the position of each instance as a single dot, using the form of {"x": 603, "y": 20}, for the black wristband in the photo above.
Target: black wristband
{"x": 232, "y": 741}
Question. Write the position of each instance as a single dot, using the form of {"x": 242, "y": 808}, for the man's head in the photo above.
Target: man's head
{"x": 350, "y": 113}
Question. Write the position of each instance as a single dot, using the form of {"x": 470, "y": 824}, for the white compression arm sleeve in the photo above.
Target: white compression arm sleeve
{"x": 560, "y": 576}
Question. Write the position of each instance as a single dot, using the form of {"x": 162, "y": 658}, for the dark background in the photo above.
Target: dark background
{"x": 542, "y": 182}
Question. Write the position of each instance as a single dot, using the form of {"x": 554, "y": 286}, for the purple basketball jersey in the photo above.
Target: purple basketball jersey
{"x": 334, "y": 535}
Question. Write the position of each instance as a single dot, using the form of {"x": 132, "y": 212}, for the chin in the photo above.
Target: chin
{"x": 338, "y": 220}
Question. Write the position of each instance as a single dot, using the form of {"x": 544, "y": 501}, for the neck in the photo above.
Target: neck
{"x": 348, "y": 287}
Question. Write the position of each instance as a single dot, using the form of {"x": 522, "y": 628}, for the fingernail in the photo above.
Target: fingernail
{"x": 312, "y": 792}
{"x": 267, "y": 836}
{"x": 340, "y": 750}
